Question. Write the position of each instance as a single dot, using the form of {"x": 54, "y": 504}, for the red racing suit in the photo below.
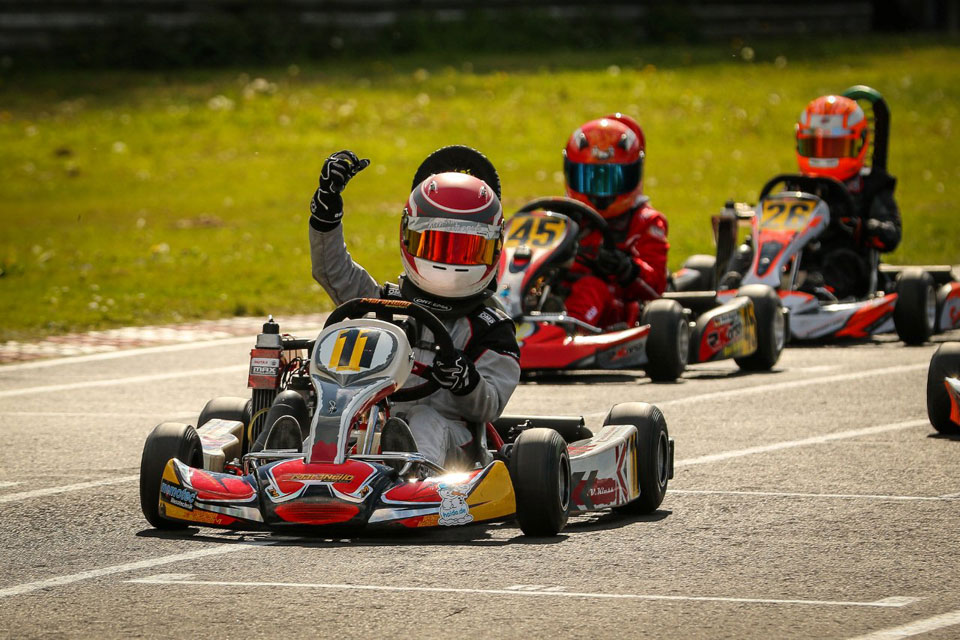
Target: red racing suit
{"x": 600, "y": 300}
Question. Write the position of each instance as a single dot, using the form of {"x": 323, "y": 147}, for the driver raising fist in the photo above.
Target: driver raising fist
{"x": 603, "y": 167}
{"x": 451, "y": 233}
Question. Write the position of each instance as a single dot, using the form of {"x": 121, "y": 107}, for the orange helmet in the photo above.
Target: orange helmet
{"x": 603, "y": 164}
{"x": 832, "y": 138}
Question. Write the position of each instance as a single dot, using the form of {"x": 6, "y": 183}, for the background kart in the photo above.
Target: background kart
{"x": 542, "y": 242}
{"x": 915, "y": 301}
{"x": 232, "y": 472}
{"x": 943, "y": 389}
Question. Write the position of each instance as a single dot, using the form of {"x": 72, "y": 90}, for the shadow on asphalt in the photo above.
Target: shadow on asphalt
{"x": 945, "y": 436}
{"x": 478, "y": 535}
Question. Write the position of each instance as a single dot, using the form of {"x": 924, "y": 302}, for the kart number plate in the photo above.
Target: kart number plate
{"x": 534, "y": 231}
{"x": 786, "y": 213}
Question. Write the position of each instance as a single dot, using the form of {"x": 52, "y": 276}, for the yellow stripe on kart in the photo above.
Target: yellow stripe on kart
{"x": 493, "y": 498}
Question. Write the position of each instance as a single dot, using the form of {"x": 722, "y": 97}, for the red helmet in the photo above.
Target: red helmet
{"x": 451, "y": 234}
{"x": 832, "y": 138}
{"x": 603, "y": 164}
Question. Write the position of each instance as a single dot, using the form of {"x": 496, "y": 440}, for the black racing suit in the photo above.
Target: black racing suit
{"x": 841, "y": 259}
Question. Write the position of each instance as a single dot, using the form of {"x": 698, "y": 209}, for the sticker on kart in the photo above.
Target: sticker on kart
{"x": 783, "y": 213}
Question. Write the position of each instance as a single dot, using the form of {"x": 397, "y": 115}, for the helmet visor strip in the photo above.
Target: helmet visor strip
{"x": 452, "y": 241}
{"x": 602, "y": 179}
{"x": 813, "y": 146}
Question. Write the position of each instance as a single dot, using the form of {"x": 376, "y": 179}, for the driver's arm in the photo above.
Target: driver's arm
{"x": 882, "y": 230}
{"x": 647, "y": 247}
{"x": 341, "y": 277}
{"x": 496, "y": 357}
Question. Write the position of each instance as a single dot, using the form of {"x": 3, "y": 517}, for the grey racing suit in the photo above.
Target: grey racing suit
{"x": 486, "y": 334}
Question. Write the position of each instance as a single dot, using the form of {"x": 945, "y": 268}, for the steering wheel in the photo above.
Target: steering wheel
{"x": 584, "y": 215}
{"x": 386, "y": 310}
{"x": 834, "y": 192}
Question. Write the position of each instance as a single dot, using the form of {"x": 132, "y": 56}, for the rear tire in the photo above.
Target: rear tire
{"x": 668, "y": 345}
{"x": 540, "y": 472}
{"x": 771, "y": 328}
{"x": 914, "y": 314}
{"x": 167, "y": 440}
{"x": 653, "y": 452}
{"x": 705, "y": 266}
{"x": 945, "y": 363}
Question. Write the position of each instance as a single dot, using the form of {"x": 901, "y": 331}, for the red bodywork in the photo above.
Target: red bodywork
{"x": 551, "y": 347}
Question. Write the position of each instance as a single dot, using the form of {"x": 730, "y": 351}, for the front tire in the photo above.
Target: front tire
{"x": 915, "y": 313}
{"x": 540, "y": 472}
{"x": 653, "y": 453}
{"x": 944, "y": 364}
{"x": 771, "y": 328}
{"x": 668, "y": 345}
{"x": 167, "y": 440}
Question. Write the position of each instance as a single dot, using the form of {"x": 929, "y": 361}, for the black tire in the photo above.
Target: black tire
{"x": 540, "y": 472}
{"x": 771, "y": 328}
{"x": 461, "y": 159}
{"x": 705, "y": 265}
{"x": 653, "y": 452}
{"x": 668, "y": 345}
{"x": 167, "y": 440}
{"x": 944, "y": 364}
{"x": 914, "y": 315}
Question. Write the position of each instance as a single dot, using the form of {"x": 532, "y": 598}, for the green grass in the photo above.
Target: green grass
{"x": 133, "y": 198}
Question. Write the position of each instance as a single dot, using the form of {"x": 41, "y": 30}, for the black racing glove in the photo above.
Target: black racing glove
{"x": 326, "y": 206}
{"x": 457, "y": 374}
{"x": 616, "y": 263}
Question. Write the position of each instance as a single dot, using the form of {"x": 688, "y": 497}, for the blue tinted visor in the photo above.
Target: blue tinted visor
{"x": 602, "y": 179}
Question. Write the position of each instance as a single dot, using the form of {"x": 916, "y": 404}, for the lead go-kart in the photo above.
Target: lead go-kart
{"x": 231, "y": 472}
{"x": 542, "y": 243}
{"x": 914, "y": 301}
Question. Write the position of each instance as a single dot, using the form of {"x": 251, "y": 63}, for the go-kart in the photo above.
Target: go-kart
{"x": 542, "y": 242}
{"x": 943, "y": 389}
{"x": 783, "y": 224}
{"x": 232, "y": 472}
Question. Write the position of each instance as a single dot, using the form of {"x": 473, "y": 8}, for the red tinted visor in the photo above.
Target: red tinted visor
{"x": 451, "y": 248}
{"x": 812, "y": 146}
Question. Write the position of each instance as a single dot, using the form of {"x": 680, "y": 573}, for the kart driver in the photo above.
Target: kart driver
{"x": 603, "y": 168}
{"x": 451, "y": 234}
{"x": 832, "y": 140}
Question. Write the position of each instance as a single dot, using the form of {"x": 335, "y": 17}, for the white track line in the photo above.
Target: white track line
{"x": 178, "y": 579}
{"x": 777, "y": 446}
{"x": 49, "y": 491}
{"x": 779, "y": 386}
{"x": 59, "y": 581}
{"x": 779, "y": 494}
{"x": 4, "y": 485}
{"x": 914, "y": 628}
{"x": 152, "y": 377}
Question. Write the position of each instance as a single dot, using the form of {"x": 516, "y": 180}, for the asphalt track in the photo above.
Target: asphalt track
{"x": 813, "y": 501}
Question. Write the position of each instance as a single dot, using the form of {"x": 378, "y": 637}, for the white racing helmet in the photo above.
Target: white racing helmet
{"x": 451, "y": 235}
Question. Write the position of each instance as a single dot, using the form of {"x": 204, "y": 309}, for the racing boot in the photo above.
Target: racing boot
{"x": 284, "y": 434}
{"x": 397, "y": 437}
